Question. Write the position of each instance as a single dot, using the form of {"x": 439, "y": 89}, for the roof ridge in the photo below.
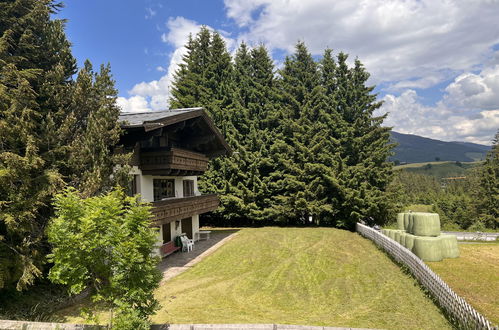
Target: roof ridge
{"x": 159, "y": 111}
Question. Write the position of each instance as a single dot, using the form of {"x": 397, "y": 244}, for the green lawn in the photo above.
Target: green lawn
{"x": 474, "y": 276}
{"x": 308, "y": 276}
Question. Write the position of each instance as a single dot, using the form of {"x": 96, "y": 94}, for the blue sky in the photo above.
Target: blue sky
{"x": 435, "y": 63}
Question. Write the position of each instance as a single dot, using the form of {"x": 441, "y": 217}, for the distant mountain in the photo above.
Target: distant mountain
{"x": 417, "y": 149}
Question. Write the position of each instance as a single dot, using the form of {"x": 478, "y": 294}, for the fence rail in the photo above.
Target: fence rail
{"x": 458, "y": 309}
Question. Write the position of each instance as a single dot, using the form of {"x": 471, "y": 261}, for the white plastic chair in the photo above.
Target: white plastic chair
{"x": 187, "y": 244}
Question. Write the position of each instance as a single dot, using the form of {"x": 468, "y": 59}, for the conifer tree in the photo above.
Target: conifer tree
{"x": 42, "y": 126}
{"x": 92, "y": 160}
{"x": 365, "y": 148}
{"x": 487, "y": 196}
{"x": 306, "y": 142}
{"x": 299, "y": 86}
{"x": 34, "y": 59}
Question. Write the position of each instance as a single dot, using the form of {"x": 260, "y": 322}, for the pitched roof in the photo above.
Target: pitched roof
{"x": 153, "y": 120}
{"x": 134, "y": 119}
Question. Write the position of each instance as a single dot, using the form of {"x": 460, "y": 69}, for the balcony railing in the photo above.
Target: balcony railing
{"x": 172, "y": 209}
{"x": 160, "y": 162}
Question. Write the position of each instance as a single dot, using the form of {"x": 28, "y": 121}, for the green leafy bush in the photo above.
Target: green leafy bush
{"x": 104, "y": 244}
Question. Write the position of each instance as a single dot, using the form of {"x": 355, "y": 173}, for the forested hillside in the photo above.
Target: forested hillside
{"x": 307, "y": 145}
{"x": 464, "y": 200}
{"x": 416, "y": 149}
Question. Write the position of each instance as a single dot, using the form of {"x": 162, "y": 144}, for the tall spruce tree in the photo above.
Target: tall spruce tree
{"x": 42, "y": 127}
{"x": 94, "y": 166}
{"x": 294, "y": 201}
{"x": 365, "y": 147}
{"x": 487, "y": 195}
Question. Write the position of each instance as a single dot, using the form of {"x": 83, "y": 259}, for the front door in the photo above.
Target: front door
{"x": 187, "y": 227}
{"x": 167, "y": 233}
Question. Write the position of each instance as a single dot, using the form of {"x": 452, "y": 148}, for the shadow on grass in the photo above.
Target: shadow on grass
{"x": 38, "y": 303}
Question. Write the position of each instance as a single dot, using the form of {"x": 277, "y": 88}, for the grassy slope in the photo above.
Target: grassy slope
{"x": 474, "y": 276}
{"x": 298, "y": 276}
{"x": 309, "y": 276}
{"x": 439, "y": 169}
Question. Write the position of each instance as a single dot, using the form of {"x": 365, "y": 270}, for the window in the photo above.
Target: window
{"x": 133, "y": 186}
{"x": 188, "y": 188}
{"x": 163, "y": 188}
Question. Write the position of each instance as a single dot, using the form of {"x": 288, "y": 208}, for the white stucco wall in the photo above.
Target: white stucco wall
{"x": 146, "y": 190}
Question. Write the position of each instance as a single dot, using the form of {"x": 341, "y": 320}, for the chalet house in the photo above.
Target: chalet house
{"x": 171, "y": 148}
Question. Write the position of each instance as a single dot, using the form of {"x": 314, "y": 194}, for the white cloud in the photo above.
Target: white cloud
{"x": 471, "y": 90}
{"x": 133, "y": 104}
{"x": 421, "y": 83}
{"x": 396, "y": 39}
{"x": 179, "y": 29}
{"x": 241, "y": 11}
{"x": 408, "y": 115}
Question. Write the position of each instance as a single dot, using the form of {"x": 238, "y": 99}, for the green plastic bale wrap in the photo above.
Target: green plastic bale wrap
{"x": 409, "y": 241}
{"x": 408, "y": 222}
{"x": 425, "y": 224}
{"x": 397, "y": 235}
{"x": 390, "y": 233}
{"x": 402, "y": 238}
{"x": 450, "y": 248}
{"x": 428, "y": 248}
{"x": 400, "y": 221}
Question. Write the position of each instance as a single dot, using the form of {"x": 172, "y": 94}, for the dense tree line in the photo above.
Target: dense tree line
{"x": 471, "y": 203}
{"x": 55, "y": 130}
{"x": 307, "y": 144}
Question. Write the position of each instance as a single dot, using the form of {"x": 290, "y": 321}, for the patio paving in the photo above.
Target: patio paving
{"x": 179, "y": 262}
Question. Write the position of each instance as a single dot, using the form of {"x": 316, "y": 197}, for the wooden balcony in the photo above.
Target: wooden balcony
{"x": 173, "y": 161}
{"x": 172, "y": 209}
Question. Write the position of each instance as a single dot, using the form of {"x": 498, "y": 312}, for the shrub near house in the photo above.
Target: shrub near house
{"x": 104, "y": 244}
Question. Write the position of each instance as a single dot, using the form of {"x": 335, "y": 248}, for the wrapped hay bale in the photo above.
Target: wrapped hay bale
{"x": 400, "y": 221}
{"x": 425, "y": 224}
{"x": 386, "y": 232}
{"x": 409, "y": 241}
{"x": 397, "y": 234}
{"x": 408, "y": 222}
{"x": 390, "y": 233}
{"x": 402, "y": 238}
{"x": 450, "y": 248}
{"x": 428, "y": 248}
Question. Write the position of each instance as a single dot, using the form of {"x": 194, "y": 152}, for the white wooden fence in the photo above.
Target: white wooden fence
{"x": 457, "y": 308}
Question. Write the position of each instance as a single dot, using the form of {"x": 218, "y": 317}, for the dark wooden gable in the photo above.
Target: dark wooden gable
{"x": 172, "y": 142}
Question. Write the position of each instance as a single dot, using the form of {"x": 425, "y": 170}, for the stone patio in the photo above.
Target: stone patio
{"x": 179, "y": 261}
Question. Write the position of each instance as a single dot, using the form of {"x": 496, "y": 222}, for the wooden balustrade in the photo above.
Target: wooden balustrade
{"x": 172, "y": 209}
{"x": 174, "y": 161}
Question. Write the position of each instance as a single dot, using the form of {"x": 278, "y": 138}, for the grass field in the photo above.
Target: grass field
{"x": 474, "y": 276}
{"x": 417, "y": 165}
{"x": 308, "y": 276}
{"x": 439, "y": 169}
